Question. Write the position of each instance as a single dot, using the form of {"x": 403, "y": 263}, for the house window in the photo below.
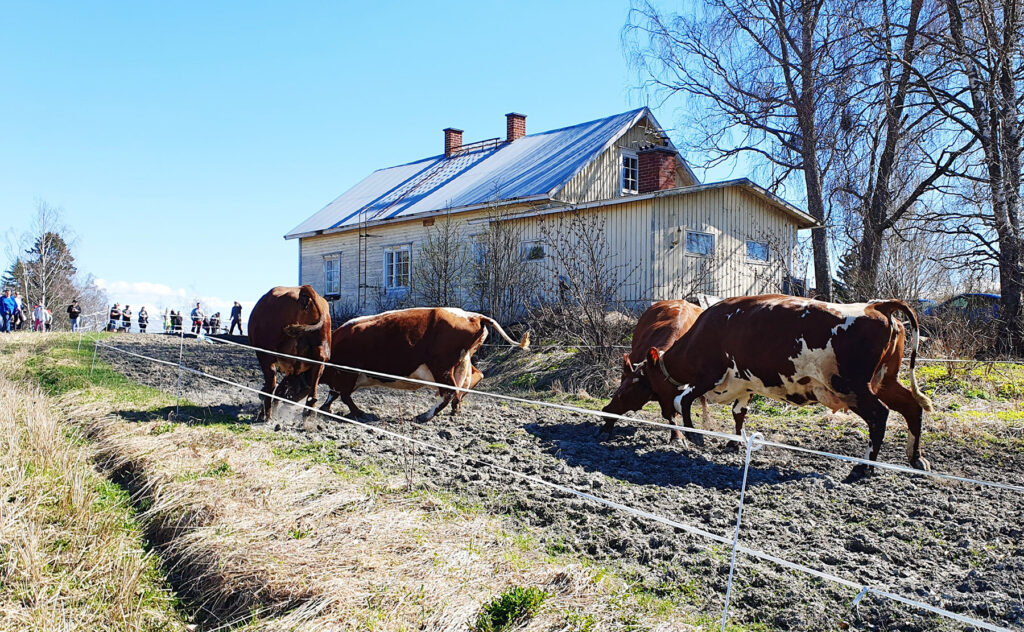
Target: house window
{"x": 479, "y": 249}
{"x": 531, "y": 251}
{"x": 700, "y": 243}
{"x": 630, "y": 173}
{"x": 332, "y": 274}
{"x": 397, "y": 260}
{"x": 757, "y": 251}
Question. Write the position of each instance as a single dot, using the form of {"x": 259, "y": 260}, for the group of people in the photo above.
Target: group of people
{"x": 13, "y": 316}
{"x": 120, "y": 320}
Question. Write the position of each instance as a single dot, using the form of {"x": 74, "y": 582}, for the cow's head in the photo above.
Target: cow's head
{"x": 634, "y": 391}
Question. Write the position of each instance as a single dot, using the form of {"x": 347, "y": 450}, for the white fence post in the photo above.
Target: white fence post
{"x": 751, "y": 440}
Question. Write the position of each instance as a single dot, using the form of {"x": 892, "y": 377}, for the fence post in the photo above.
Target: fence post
{"x": 95, "y": 342}
{"x": 751, "y": 440}
{"x": 181, "y": 348}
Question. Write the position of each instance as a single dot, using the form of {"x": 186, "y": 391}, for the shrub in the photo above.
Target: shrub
{"x": 513, "y": 606}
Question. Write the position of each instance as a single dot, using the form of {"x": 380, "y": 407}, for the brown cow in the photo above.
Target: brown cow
{"x": 433, "y": 344}
{"x": 295, "y": 321}
{"x": 658, "y": 327}
{"x": 799, "y": 351}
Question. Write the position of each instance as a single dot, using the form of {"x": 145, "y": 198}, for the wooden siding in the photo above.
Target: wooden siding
{"x": 732, "y": 217}
{"x": 601, "y": 179}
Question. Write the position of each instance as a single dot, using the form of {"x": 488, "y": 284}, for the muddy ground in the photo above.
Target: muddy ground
{"x": 952, "y": 545}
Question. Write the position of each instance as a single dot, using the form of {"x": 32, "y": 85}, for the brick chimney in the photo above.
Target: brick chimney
{"x": 452, "y": 140}
{"x": 657, "y": 168}
{"x": 515, "y": 124}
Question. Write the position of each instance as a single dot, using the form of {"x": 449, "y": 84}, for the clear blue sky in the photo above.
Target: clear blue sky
{"x": 184, "y": 139}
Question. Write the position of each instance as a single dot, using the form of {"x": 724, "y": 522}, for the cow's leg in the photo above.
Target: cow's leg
{"x": 874, "y": 412}
{"x": 902, "y": 400}
{"x": 739, "y": 415}
{"x": 683, "y": 402}
{"x": 331, "y": 396}
{"x": 447, "y": 378}
{"x": 314, "y": 379}
{"x": 269, "y": 384}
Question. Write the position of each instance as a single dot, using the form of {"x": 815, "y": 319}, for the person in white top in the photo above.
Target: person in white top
{"x": 38, "y": 317}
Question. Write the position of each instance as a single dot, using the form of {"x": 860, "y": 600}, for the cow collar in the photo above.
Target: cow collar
{"x": 669, "y": 378}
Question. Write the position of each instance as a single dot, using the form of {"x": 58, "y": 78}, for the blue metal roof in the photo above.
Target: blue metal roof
{"x": 534, "y": 166}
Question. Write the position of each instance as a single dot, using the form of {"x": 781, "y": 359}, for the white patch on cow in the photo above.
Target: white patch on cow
{"x": 740, "y": 405}
{"x": 461, "y": 313}
{"x": 361, "y": 319}
{"x": 421, "y": 373}
{"x": 843, "y": 326}
{"x": 678, "y": 401}
{"x": 867, "y": 454}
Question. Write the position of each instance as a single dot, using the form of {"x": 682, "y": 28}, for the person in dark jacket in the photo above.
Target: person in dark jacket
{"x": 143, "y": 319}
{"x": 236, "y": 318}
{"x": 215, "y": 323}
{"x": 74, "y": 313}
{"x": 126, "y": 318}
{"x": 115, "y": 317}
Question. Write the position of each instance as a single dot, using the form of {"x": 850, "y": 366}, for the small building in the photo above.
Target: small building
{"x": 676, "y": 235}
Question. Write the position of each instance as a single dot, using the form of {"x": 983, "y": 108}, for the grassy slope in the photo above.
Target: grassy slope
{"x": 72, "y": 554}
{"x": 272, "y": 532}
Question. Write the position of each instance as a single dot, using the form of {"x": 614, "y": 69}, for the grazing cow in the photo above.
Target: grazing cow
{"x": 433, "y": 344}
{"x": 799, "y": 351}
{"x": 294, "y": 321}
{"x": 660, "y": 326}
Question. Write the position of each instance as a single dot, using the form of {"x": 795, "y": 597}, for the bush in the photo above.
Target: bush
{"x": 515, "y": 605}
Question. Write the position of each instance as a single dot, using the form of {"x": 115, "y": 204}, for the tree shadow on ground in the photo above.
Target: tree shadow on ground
{"x": 629, "y": 458}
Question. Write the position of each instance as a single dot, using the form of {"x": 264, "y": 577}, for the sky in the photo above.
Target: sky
{"x": 183, "y": 140}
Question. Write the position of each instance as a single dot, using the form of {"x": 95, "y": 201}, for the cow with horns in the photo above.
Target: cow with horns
{"x": 429, "y": 344}
{"x": 293, "y": 321}
{"x": 799, "y": 351}
{"x": 658, "y": 327}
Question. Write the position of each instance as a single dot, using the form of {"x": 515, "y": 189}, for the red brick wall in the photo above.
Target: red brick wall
{"x": 515, "y": 126}
{"x": 452, "y": 140}
{"x": 657, "y": 169}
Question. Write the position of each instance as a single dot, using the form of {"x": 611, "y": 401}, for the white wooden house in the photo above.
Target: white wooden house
{"x": 733, "y": 237}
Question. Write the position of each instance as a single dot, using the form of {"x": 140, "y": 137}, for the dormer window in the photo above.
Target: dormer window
{"x": 630, "y": 176}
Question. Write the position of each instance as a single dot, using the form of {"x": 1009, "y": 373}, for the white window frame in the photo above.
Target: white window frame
{"x": 390, "y": 277}
{"x": 335, "y": 258}
{"x": 686, "y": 244}
{"x": 767, "y": 252}
{"x": 622, "y": 173}
{"x": 527, "y": 246}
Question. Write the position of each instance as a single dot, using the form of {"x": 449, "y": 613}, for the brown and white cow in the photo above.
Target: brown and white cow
{"x": 433, "y": 344}
{"x": 799, "y": 351}
{"x": 659, "y": 327}
{"x": 295, "y": 321}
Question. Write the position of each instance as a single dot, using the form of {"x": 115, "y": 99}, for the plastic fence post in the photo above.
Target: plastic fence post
{"x": 181, "y": 348}
{"x": 94, "y": 348}
{"x": 751, "y": 440}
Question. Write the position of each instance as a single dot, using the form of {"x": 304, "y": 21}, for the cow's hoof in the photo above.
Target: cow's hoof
{"x": 366, "y": 418}
{"x": 859, "y": 473}
{"x": 921, "y": 463}
{"x": 277, "y": 427}
{"x": 731, "y": 447}
{"x": 695, "y": 438}
{"x": 423, "y": 418}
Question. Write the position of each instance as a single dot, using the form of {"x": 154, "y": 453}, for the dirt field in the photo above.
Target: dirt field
{"x": 956, "y": 546}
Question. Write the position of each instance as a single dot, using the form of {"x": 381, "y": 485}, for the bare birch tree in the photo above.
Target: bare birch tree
{"x": 443, "y": 264}
{"x": 764, "y": 80}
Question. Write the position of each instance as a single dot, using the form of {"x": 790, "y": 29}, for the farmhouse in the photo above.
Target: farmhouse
{"x": 675, "y": 235}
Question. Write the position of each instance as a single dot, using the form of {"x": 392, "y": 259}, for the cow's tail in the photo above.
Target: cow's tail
{"x": 523, "y": 343}
{"x": 307, "y": 297}
{"x": 889, "y": 308}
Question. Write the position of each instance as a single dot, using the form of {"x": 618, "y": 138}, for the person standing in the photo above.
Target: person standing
{"x": 197, "y": 319}
{"x": 19, "y": 312}
{"x": 143, "y": 319}
{"x": 115, "y": 317}
{"x": 236, "y": 318}
{"x": 38, "y": 317}
{"x": 167, "y": 320}
{"x": 7, "y": 308}
{"x": 126, "y": 318}
{"x": 47, "y": 319}
{"x": 74, "y": 312}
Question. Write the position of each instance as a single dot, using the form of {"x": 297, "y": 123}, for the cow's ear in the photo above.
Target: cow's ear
{"x": 627, "y": 366}
{"x": 653, "y": 356}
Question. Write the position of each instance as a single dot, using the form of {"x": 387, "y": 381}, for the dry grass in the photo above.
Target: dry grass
{"x": 264, "y": 532}
{"x": 71, "y": 555}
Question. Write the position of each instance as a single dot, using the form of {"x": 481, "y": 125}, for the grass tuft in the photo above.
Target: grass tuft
{"x": 514, "y": 606}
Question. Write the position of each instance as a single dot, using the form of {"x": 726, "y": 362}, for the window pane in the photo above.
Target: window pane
{"x": 757, "y": 251}
{"x": 699, "y": 243}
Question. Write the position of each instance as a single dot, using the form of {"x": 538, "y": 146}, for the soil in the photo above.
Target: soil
{"x": 951, "y": 545}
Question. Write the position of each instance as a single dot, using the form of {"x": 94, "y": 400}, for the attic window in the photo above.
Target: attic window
{"x": 630, "y": 176}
